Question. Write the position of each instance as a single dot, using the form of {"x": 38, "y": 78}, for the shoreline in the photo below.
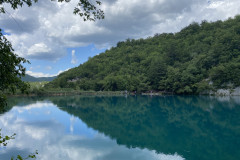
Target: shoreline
{"x": 119, "y": 93}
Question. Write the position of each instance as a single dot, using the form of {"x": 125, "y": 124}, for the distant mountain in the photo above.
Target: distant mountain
{"x": 29, "y": 78}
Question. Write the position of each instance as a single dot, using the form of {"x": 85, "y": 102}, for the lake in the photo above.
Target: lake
{"x": 123, "y": 128}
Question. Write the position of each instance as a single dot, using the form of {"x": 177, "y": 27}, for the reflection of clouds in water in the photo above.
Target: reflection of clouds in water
{"x": 29, "y": 107}
{"x": 39, "y": 135}
{"x": 106, "y": 149}
{"x": 72, "y": 121}
{"x": 38, "y": 104}
{"x": 48, "y": 137}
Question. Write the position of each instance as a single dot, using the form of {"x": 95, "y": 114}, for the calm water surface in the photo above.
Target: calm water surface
{"x": 123, "y": 128}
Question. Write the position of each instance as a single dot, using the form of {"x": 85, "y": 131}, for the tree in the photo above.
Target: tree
{"x": 85, "y": 8}
{"x": 11, "y": 69}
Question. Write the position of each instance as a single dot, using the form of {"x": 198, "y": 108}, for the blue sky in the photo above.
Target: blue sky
{"x": 5, "y": 33}
{"x": 53, "y": 39}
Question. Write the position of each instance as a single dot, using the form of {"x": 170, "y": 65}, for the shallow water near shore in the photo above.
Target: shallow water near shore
{"x": 123, "y": 128}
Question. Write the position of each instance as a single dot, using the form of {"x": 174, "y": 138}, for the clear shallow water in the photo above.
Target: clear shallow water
{"x": 123, "y": 128}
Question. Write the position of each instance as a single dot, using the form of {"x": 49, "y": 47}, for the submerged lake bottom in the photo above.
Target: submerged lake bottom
{"x": 123, "y": 128}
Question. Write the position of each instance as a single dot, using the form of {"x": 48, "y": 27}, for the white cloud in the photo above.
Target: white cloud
{"x": 74, "y": 58}
{"x": 39, "y": 74}
{"x": 45, "y": 30}
{"x": 38, "y": 48}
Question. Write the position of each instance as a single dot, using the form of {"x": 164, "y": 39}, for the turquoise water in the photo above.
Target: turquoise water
{"x": 123, "y": 128}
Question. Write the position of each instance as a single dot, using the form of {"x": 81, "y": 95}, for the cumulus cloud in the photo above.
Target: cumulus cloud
{"x": 38, "y": 48}
{"x": 45, "y": 30}
{"x": 38, "y": 74}
{"x": 74, "y": 58}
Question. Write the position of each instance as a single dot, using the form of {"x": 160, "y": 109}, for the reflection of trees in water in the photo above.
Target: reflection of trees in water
{"x": 196, "y": 127}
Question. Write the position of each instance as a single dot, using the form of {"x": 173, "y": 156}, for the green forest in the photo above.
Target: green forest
{"x": 202, "y": 56}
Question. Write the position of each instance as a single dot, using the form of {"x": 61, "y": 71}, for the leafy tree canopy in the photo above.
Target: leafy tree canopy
{"x": 85, "y": 8}
{"x": 11, "y": 69}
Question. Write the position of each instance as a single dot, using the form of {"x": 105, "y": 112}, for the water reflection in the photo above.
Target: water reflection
{"x": 195, "y": 127}
{"x": 56, "y": 134}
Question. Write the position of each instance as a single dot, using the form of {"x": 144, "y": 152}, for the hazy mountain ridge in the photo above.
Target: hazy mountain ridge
{"x": 28, "y": 78}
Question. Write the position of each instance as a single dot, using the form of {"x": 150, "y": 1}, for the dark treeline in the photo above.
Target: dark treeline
{"x": 198, "y": 58}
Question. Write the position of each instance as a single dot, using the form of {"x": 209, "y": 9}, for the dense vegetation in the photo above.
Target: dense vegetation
{"x": 11, "y": 70}
{"x": 199, "y": 57}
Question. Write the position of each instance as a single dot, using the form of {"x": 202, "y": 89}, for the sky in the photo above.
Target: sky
{"x": 54, "y": 40}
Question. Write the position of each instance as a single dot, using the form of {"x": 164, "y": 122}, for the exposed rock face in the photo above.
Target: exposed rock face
{"x": 223, "y": 92}
{"x": 74, "y": 80}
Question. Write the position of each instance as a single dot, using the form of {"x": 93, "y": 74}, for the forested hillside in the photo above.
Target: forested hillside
{"x": 199, "y": 57}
